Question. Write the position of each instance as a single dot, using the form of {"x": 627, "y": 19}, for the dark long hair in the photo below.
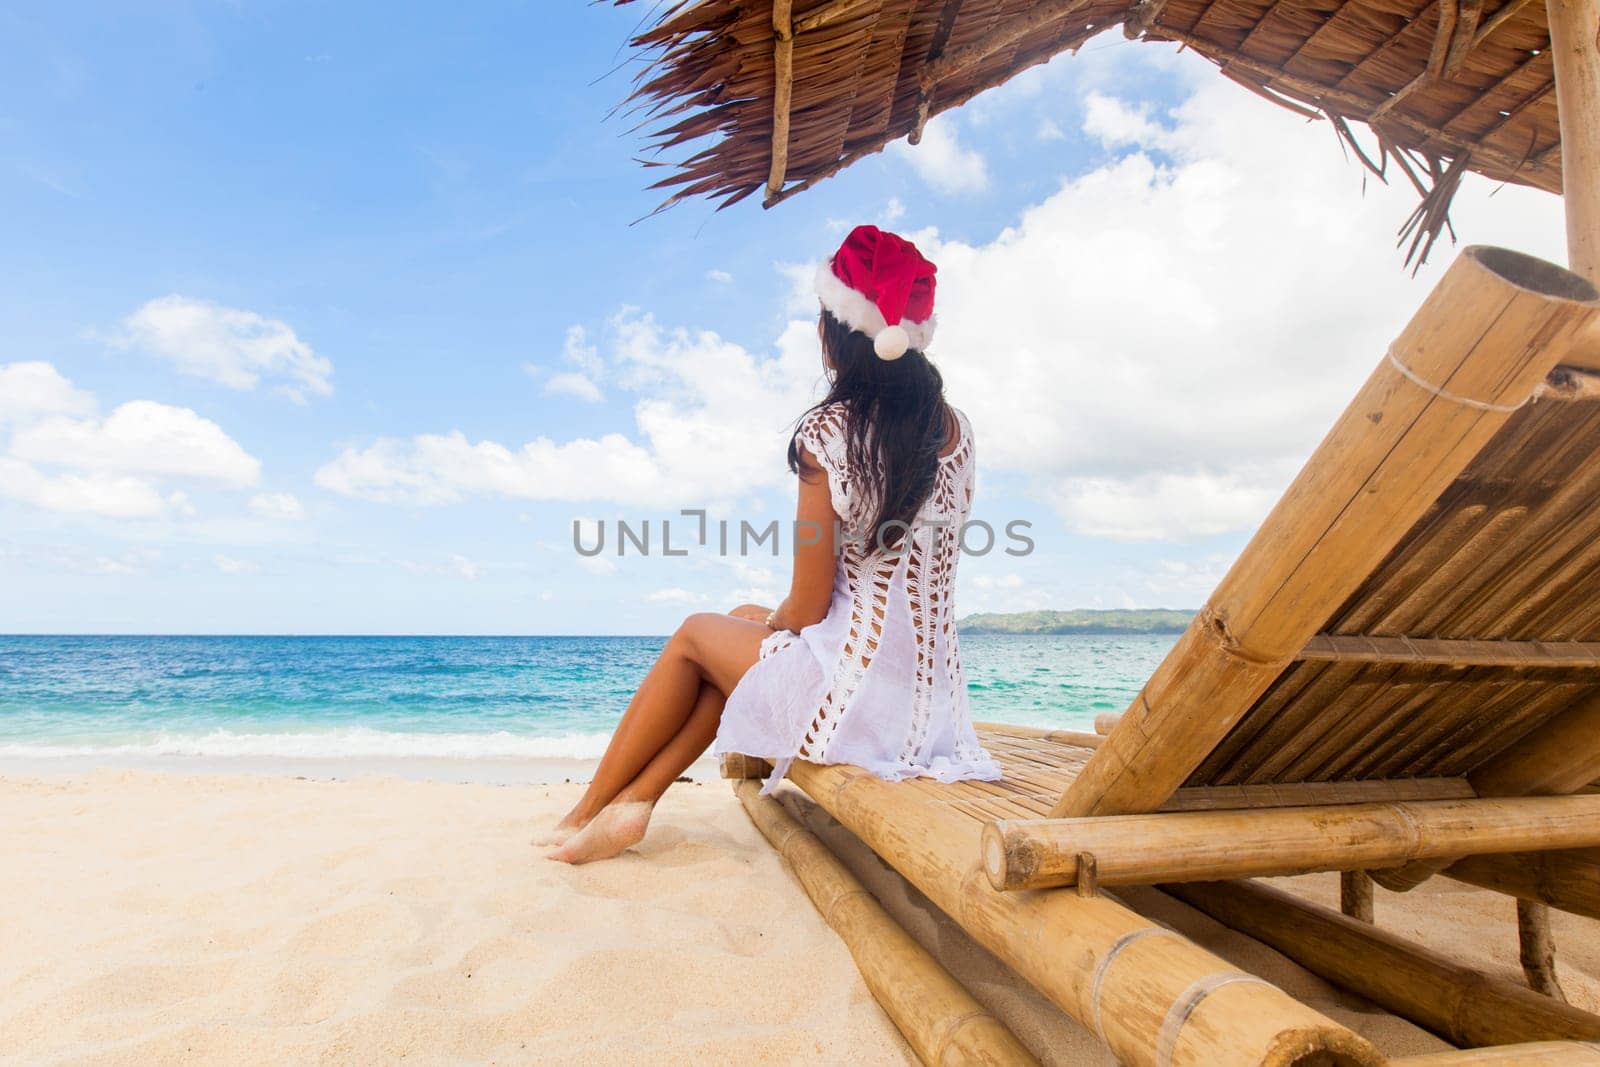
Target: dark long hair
{"x": 896, "y": 417}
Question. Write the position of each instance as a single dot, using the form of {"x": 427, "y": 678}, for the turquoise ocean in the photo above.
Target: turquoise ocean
{"x": 469, "y": 698}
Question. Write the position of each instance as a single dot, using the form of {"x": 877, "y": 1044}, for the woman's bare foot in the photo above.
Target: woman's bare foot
{"x": 618, "y": 827}
{"x": 561, "y": 832}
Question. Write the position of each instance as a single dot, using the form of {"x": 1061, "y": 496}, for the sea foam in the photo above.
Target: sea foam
{"x": 346, "y": 743}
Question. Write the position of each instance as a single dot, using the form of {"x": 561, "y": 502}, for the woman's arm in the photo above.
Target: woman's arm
{"x": 811, "y": 587}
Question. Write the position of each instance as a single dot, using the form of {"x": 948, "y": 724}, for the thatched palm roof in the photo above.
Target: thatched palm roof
{"x": 789, "y": 93}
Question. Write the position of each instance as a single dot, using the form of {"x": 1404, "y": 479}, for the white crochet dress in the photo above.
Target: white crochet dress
{"x": 878, "y": 682}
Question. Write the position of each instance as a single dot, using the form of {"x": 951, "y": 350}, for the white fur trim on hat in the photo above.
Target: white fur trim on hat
{"x": 853, "y": 309}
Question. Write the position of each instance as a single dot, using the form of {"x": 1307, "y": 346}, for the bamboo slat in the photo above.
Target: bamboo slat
{"x": 1151, "y": 995}
{"x": 1209, "y": 846}
{"x": 940, "y": 1020}
{"x": 1302, "y": 794}
{"x": 1572, "y": 655}
{"x": 1490, "y": 332}
{"x": 1559, "y": 757}
{"x": 1461, "y": 1005}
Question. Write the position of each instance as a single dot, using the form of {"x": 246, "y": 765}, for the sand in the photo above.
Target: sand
{"x": 177, "y": 917}
{"x": 165, "y": 918}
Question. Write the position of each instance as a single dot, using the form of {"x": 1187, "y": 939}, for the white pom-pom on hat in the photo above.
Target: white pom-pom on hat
{"x": 891, "y": 342}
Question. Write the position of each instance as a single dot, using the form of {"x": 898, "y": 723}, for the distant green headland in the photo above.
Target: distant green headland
{"x": 1080, "y": 621}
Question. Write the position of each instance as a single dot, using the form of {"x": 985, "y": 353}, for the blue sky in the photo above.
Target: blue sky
{"x": 333, "y": 318}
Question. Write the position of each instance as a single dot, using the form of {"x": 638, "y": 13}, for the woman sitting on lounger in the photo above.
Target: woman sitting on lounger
{"x": 860, "y": 663}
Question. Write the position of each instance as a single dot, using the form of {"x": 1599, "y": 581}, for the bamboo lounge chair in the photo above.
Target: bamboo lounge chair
{"x": 1400, "y": 674}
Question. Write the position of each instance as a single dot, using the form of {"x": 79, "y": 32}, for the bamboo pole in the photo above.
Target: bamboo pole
{"x": 1568, "y": 880}
{"x": 1141, "y": 15}
{"x": 1062, "y": 737}
{"x": 1106, "y": 721}
{"x": 1561, "y": 756}
{"x": 1355, "y": 895}
{"x": 1150, "y": 994}
{"x": 1195, "y": 846}
{"x": 1533, "y": 1054}
{"x": 938, "y": 1017}
{"x": 1462, "y": 1005}
{"x": 1479, "y": 347}
{"x": 1575, "y": 49}
{"x": 1012, "y": 30}
{"x": 826, "y": 16}
{"x": 782, "y": 96}
{"x": 1537, "y": 947}
{"x": 733, "y": 765}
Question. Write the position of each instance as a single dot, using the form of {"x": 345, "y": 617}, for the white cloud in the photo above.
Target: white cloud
{"x": 1159, "y": 345}
{"x": 581, "y": 382}
{"x": 942, "y": 162}
{"x": 230, "y": 346}
{"x": 721, "y": 277}
{"x": 1049, "y": 130}
{"x": 112, "y": 496}
{"x": 1154, "y": 348}
{"x": 277, "y": 506}
{"x": 140, "y": 437}
{"x": 571, "y": 383}
{"x": 998, "y": 581}
{"x": 62, "y": 457}
{"x": 893, "y": 211}
{"x": 33, "y": 389}
{"x": 230, "y": 565}
{"x": 1115, "y": 123}
{"x": 712, "y": 420}
{"x": 1183, "y": 582}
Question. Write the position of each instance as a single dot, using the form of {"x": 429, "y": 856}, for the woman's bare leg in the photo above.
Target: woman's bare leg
{"x": 707, "y": 648}
{"x": 658, "y": 708}
{"x": 612, "y": 816}
{"x": 622, "y": 823}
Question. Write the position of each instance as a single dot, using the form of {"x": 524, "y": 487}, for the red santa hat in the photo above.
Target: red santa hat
{"x": 878, "y": 283}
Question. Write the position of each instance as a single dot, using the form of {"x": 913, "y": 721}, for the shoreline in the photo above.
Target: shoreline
{"x": 511, "y": 771}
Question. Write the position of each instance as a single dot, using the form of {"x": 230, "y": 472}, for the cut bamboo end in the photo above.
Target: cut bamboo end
{"x": 1106, "y": 721}
{"x": 736, "y": 766}
{"x": 1462, "y": 1005}
{"x": 940, "y": 1020}
{"x": 1531, "y": 1054}
{"x": 1478, "y": 349}
{"x": 1196, "y": 846}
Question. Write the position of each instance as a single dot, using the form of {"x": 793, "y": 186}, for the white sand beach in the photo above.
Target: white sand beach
{"x": 173, "y": 917}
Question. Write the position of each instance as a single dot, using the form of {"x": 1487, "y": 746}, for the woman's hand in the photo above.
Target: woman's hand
{"x": 752, "y": 612}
